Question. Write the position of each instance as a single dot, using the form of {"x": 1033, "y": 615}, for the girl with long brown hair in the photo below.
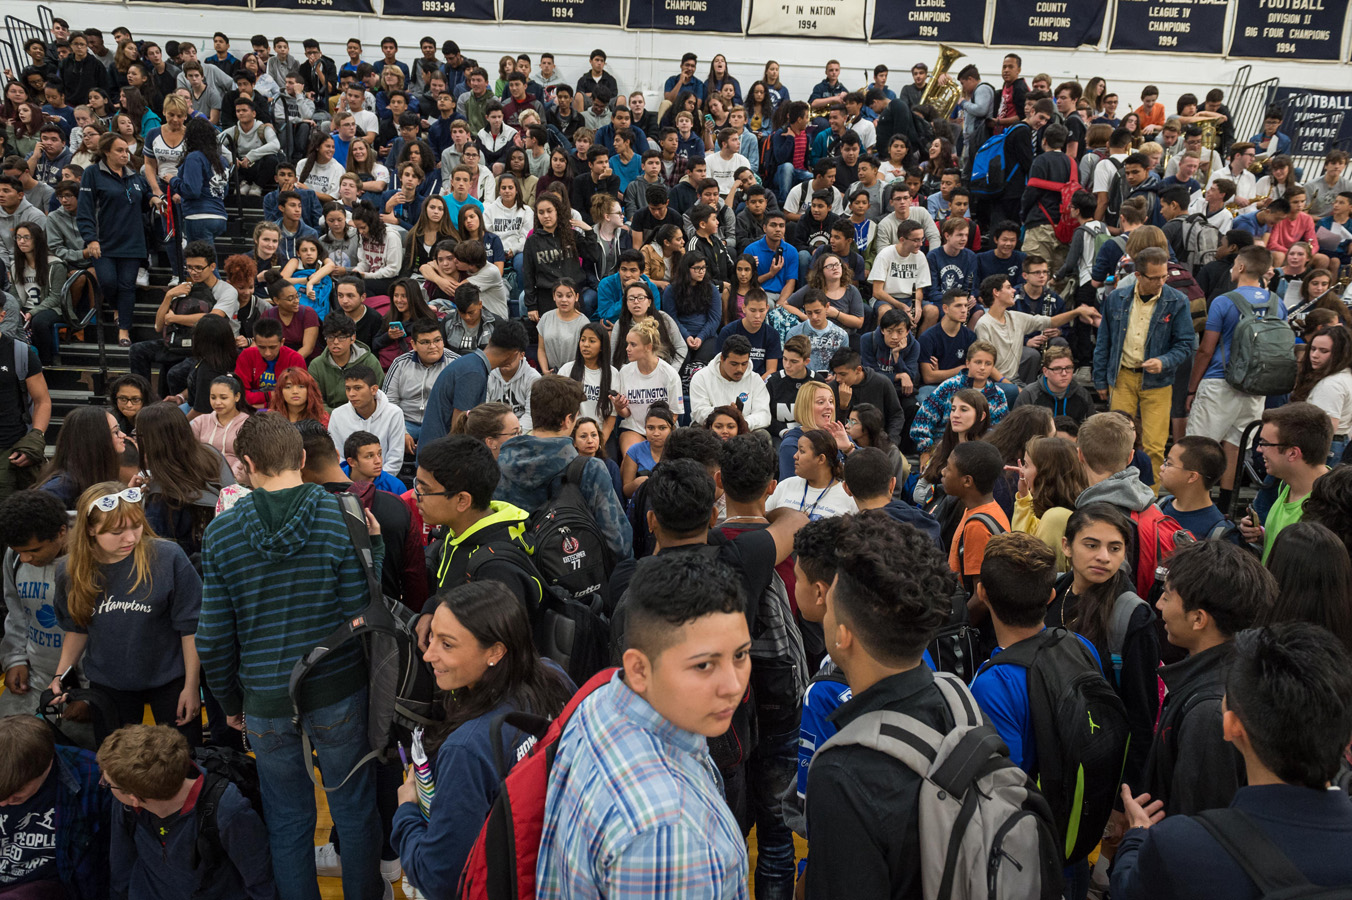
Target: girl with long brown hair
{"x": 181, "y": 475}
{"x": 1051, "y": 478}
{"x": 129, "y": 603}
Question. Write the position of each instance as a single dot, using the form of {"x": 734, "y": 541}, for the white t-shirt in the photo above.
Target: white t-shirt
{"x": 662, "y": 385}
{"x": 816, "y": 503}
{"x": 1334, "y": 396}
{"x": 1008, "y": 338}
{"x": 591, "y": 387}
{"x": 868, "y": 134}
{"x": 721, "y": 170}
{"x": 323, "y": 179}
{"x": 1104, "y": 174}
{"x": 902, "y": 277}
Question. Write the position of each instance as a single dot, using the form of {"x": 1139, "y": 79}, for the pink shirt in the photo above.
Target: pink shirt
{"x": 1292, "y": 231}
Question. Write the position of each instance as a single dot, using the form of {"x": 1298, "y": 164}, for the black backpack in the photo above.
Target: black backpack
{"x": 1271, "y": 870}
{"x": 1081, "y": 733}
{"x": 223, "y": 767}
{"x": 567, "y": 547}
{"x": 401, "y": 684}
{"x": 571, "y": 631}
{"x": 197, "y": 300}
{"x": 1118, "y": 190}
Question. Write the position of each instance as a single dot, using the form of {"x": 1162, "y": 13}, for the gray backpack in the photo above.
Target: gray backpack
{"x": 985, "y": 830}
{"x": 1262, "y": 351}
{"x": 1200, "y": 240}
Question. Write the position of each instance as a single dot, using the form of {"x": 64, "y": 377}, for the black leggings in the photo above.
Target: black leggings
{"x": 129, "y": 709}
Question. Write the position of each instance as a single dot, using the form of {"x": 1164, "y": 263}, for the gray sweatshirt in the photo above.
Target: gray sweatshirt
{"x": 32, "y": 634}
{"x": 253, "y": 145}
{"x": 63, "y": 239}
{"x": 135, "y": 634}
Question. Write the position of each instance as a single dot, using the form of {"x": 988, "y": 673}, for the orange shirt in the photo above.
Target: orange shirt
{"x": 972, "y": 537}
{"x": 1154, "y": 117}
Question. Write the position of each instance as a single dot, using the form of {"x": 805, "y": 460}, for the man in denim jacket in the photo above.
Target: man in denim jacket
{"x": 1146, "y": 334}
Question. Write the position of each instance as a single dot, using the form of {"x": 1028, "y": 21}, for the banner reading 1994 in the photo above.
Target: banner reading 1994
{"x": 717, "y": 16}
{"x": 563, "y": 12}
{"x": 1047, "y": 23}
{"x": 1177, "y": 26}
{"x": 942, "y": 21}
{"x": 1288, "y": 29}
{"x": 808, "y": 18}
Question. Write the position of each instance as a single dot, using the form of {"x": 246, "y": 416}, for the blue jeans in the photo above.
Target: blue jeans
{"x": 786, "y": 176}
{"x": 771, "y": 780}
{"x": 514, "y": 300}
{"x": 588, "y": 303}
{"x": 117, "y": 280}
{"x": 203, "y": 230}
{"x": 1011, "y": 391}
{"x": 338, "y": 733}
{"x": 414, "y": 429}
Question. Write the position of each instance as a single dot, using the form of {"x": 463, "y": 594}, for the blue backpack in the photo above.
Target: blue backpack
{"x": 991, "y": 169}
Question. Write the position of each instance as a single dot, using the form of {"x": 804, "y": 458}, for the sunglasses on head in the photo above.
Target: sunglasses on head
{"x": 108, "y": 502}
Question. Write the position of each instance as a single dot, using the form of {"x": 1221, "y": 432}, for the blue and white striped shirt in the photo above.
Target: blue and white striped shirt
{"x": 635, "y": 809}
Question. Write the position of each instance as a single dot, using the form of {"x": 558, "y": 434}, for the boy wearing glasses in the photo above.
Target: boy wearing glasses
{"x": 1056, "y": 389}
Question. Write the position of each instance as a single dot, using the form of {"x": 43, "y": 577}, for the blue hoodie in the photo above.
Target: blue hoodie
{"x": 151, "y": 866}
{"x": 949, "y": 272}
{"x": 110, "y": 211}
{"x": 875, "y": 354}
{"x": 610, "y": 296}
{"x": 202, "y": 189}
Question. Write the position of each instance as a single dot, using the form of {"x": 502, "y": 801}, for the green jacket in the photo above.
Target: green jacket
{"x": 329, "y": 375}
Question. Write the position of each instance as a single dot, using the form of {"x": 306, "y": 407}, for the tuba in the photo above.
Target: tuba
{"x": 943, "y": 97}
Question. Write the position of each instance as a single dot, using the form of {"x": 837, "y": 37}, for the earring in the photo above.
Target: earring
{"x": 493, "y": 663}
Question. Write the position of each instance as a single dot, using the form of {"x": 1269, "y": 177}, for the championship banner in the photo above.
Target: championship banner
{"x": 944, "y": 21}
{"x": 361, "y": 7}
{"x": 1304, "y": 30}
{"x": 238, "y": 3}
{"x": 476, "y": 10}
{"x": 563, "y": 12}
{"x": 1048, "y": 23}
{"x": 1311, "y": 111}
{"x": 842, "y": 19}
{"x": 716, "y": 16}
{"x": 1193, "y": 27}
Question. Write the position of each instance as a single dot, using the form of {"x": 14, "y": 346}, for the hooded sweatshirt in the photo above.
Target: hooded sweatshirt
{"x": 386, "y": 423}
{"x": 514, "y": 392}
{"x": 1076, "y": 402}
{"x": 381, "y": 259}
{"x": 24, "y": 214}
{"x": 708, "y": 389}
{"x": 110, "y": 209}
{"x": 202, "y": 188}
{"x": 1122, "y": 489}
{"x": 342, "y": 251}
{"x": 329, "y": 375}
{"x": 290, "y": 543}
{"x": 32, "y": 636}
{"x": 532, "y": 470}
{"x": 503, "y": 522}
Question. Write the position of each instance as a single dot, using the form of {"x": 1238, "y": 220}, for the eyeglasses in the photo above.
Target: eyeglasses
{"x": 1260, "y": 444}
{"x": 419, "y": 493}
{"x": 191, "y": 268}
{"x": 108, "y": 502}
{"x": 1061, "y": 370}
{"x": 131, "y": 401}
{"x": 515, "y": 432}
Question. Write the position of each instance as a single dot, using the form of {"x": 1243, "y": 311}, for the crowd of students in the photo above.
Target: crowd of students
{"x": 869, "y": 451}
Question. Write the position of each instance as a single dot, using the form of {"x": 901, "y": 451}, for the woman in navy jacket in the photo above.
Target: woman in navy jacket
{"x": 481, "y": 652}
{"x": 694, "y": 301}
{"x": 114, "y": 197}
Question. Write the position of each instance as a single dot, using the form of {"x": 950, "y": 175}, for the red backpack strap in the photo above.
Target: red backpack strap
{"x": 595, "y": 683}
{"x": 1074, "y": 169}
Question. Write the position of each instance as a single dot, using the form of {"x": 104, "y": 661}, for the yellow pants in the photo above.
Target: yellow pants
{"x": 1153, "y": 408}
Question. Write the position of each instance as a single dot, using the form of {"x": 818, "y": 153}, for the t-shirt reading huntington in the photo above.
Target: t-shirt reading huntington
{"x": 28, "y": 837}
{"x": 661, "y": 385}
{"x": 903, "y": 277}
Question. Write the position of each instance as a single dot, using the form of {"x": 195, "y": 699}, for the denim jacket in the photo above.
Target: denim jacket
{"x": 1171, "y": 338}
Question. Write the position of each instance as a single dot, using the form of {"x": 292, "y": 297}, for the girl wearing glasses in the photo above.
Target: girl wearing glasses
{"x": 127, "y": 396}
{"x": 129, "y": 603}
{"x": 493, "y": 423}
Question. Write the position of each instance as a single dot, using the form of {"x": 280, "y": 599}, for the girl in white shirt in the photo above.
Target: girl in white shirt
{"x": 647, "y": 380}
{"x": 1325, "y": 379}
{"x": 320, "y": 172}
{"x": 816, "y": 488}
{"x": 590, "y": 365}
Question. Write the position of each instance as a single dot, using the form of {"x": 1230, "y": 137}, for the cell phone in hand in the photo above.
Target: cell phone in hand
{"x": 397, "y": 326}
{"x": 70, "y": 680}
{"x": 1253, "y": 516}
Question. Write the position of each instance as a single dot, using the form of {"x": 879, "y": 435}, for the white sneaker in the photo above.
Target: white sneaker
{"x": 143, "y": 277}
{"x": 391, "y": 870}
{"x": 328, "y": 864}
{"x": 389, "y": 891}
{"x": 173, "y": 280}
{"x": 410, "y": 891}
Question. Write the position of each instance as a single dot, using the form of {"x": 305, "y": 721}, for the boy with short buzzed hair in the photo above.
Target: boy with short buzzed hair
{"x": 970, "y": 476}
{"x": 363, "y": 460}
{"x": 1193, "y": 467}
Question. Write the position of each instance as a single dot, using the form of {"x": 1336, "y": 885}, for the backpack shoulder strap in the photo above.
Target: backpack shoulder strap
{"x": 208, "y": 848}
{"x": 1123, "y": 608}
{"x": 901, "y": 737}
{"x": 573, "y": 474}
{"x": 1263, "y": 861}
{"x": 21, "y": 361}
{"x": 985, "y": 519}
{"x": 1240, "y": 302}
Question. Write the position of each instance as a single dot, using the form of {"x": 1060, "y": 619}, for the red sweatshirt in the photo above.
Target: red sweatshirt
{"x": 250, "y": 368}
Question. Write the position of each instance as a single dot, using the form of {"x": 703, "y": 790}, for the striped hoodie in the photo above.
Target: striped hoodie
{"x": 279, "y": 574}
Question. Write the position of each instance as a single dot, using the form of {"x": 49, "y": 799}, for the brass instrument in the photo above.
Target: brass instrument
{"x": 1210, "y": 134}
{"x": 943, "y": 97}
